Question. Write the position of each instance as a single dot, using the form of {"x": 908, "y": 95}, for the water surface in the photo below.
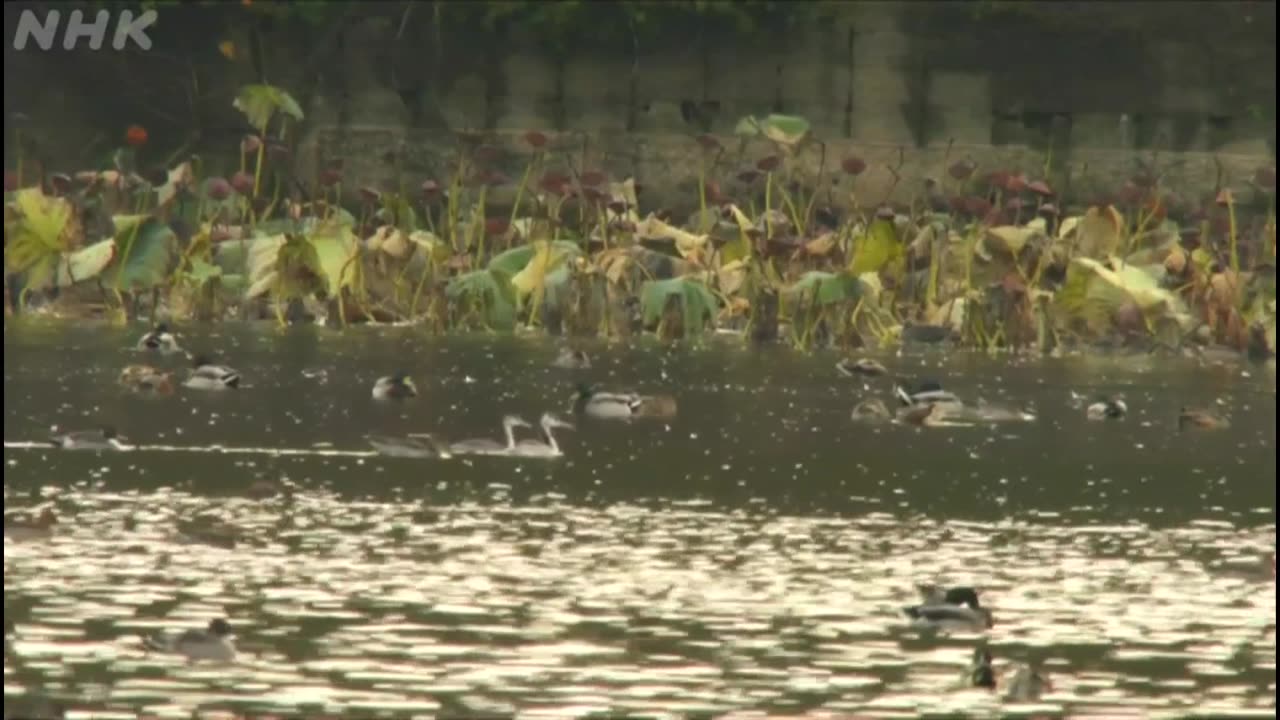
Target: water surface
{"x": 751, "y": 555}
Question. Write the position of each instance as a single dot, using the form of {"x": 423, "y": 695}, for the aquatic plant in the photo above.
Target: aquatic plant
{"x": 992, "y": 259}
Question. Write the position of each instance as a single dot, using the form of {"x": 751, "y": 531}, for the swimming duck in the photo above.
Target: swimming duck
{"x": 144, "y": 379}
{"x": 30, "y": 528}
{"x": 160, "y": 340}
{"x": 394, "y": 387}
{"x": 485, "y": 446}
{"x": 205, "y": 375}
{"x": 980, "y": 673}
{"x": 547, "y": 447}
{"x": 871, "y": 411}
{"x": 926, "y": 391}
{"x": 1192, "y": 419}
{"x": 953, "y": 618}
{"x": 213, "y": 643}
{"x": 924, "y": 414}
{"x": 105, "y": 438}
{"x": 1108, "y": 408}
{"x": 960, "y": 595}
{"x": 421, "y": 445}
{"x": 570, "y": 359}
{"x": 861, "y": 366}
{"x": 1027, "y": 685}
{"x": 606, "y": 406}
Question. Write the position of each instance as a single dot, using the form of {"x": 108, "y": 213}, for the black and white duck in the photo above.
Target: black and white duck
{"x": 953, "y": 610}
{"x": 160, "y": 340}
{"x": 213, "y": 643}
{"x": 1106, "y": 408}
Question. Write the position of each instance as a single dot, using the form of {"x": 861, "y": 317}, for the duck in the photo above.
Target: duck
{"x": 570, "y": 359}
{"x": 485, "y": 446}
{"x": 547, "y": 447}
{"x": 1107, "y": 408}
{"x": 205, "y": 375}
{"x": 604, "y": 405}
{"x": 30, "y": 528}
{"x": 420, "y": 445}
{"x": 961, "y": 595}
{"x": 160, "y": 340}
{"x": 926, "y": 391}
{"x": 212, "y": 643}
{"x": 105, "y": 438}
{"x": 146, "y": 379}
{"x": 1027, "y": 684}
{"x": 861, "y": 366}
{"x": 1193, "y": 419}
{"x": 871, "y": 411}
{"x": 980, "y": 673}
{"x": 395, "y": 387}
{"x": 951, "y": 618}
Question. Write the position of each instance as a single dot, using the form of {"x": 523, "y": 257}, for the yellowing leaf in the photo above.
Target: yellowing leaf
{"x": 687, "y": 243}
{"x": 876, "y": 249}
{"x": 1098, "y": 233}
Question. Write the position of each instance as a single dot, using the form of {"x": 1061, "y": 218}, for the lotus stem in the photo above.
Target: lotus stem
{"x": 124, "y": 260}
{"x": 262, "y": 152}
{"x": 702, "y": 192}
{"x": 768, "y": 191}
{"x": 1232, "y": 237}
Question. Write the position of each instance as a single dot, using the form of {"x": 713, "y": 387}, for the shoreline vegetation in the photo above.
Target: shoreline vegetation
{"x": 986, "y": 258}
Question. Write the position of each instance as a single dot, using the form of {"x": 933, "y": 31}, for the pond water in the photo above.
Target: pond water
{"x": 750, "y": 556}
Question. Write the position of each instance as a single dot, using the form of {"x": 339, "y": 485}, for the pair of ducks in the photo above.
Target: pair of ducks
{"x": 205, "y": 374}
{"x": 1114, "y": 408}
{"x": 927, "y": 404}
{"x": 425, "y": 445}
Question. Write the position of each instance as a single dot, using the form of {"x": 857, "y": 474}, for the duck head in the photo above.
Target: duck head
{"x": 514, "y": 421}
{"x": 200, "y": 360}
{"x": 109, "y": 432}
{"x": 219, "y": 627}
{"x": 402, "y": 379}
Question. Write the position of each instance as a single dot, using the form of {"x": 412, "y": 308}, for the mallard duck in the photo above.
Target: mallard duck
{"x": 160, "y": 340}
{"x": 871, "y": 411}
{"x": 421, "y": 445}
{"x": 205, "y": 375}
{"x": 960, "y": 595}
{"x": 1107, "y": 408}
{"x": 485, "y": 446}
{"x": 952, "y": 618}
{"x": 924, "y": 392}
{"x": 861, "y": 366}
{"x": 547, "y": 447}
{"x": 146, "y": 379}
{"x": 30, "y": 528}
{"x": 394, "y": 387}
{"x": 105, "y": 438}
{"x": 570, "y": 359}
{"x": 1192, "y": 419}
{"x": 606, "y": 406}
{"x": 213, "y": 643}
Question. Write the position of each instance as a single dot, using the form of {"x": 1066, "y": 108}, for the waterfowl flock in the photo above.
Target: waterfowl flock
{"x": 925, "y": 403}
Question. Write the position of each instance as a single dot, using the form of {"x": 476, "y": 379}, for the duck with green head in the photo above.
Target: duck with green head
{"x": 395, "y": 387}
{"x": 206, "y": 375}
{"x": 606, "y": 405}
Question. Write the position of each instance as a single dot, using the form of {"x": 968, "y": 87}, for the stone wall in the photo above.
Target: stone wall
{"x": 1098, "y": 87}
